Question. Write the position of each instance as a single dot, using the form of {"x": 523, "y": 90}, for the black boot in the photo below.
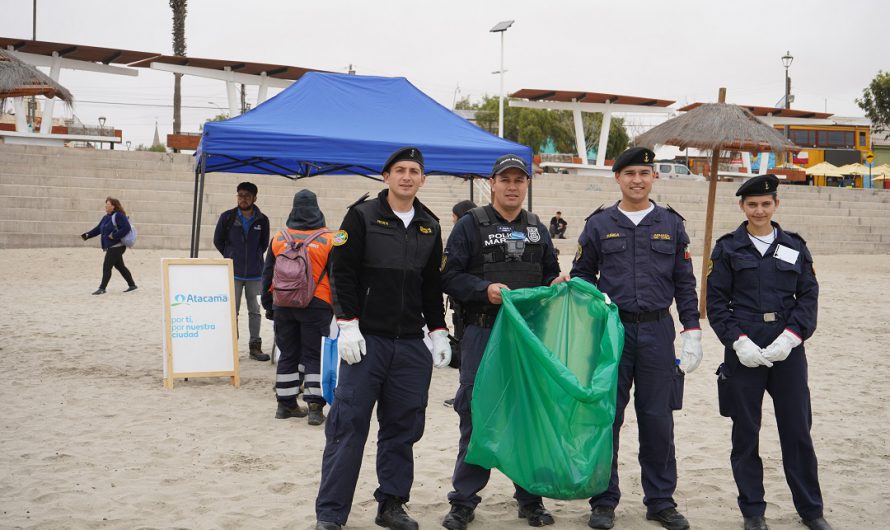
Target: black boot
{"x": 256, "y": 351}
{"x": 669, "y": 518}
{"x": 459, "y": 517}
{"x": 536, "y": 514}
{"x": 816, "y": 524}
{"x": 755, "y": 522}
{"x": 326, "y": 525}
{"x": 391, "y": 514}
{"x": 286, "y": 410}
{"x": 602, "y": 517}
{"x": 316, "y": 414}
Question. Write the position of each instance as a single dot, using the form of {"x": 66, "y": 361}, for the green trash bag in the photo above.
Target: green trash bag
{"x": 544, "y": 397}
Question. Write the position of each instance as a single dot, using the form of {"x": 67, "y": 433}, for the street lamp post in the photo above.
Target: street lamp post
{"x": 501, "y": 27}
{"x": 787, "y": 59}
{"x": 101, "y": 129}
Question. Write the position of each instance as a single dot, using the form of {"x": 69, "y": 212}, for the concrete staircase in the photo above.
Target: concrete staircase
{"x": 48, "y": 196}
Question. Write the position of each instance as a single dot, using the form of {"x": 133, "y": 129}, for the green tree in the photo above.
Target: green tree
{"x": 152, "y": 148}
{"x": 218, "y": 117}
{"x": 534, "y": 127}
{"x": 875, "y": 101}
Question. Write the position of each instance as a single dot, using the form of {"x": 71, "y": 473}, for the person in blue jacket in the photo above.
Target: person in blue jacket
{"x": 762, "y": 304}
{"x": 113, "y": 226}
{"x": 242, "y": 234}
{"x": 637, "y": 253}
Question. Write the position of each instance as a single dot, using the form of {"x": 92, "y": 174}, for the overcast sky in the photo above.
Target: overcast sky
{"x": 681, "y": 50}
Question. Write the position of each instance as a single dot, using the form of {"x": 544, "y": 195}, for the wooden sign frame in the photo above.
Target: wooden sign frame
{"x": 170, "y": 375}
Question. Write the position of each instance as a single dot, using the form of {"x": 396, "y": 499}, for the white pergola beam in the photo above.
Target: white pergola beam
{"x": 589, "y": 107}
{"x": 46, "y": 124}
{"x": 70, "y": 64}
{"x": 579, "y": 136}
{"x": 222, "y": 75}
{"x": 779, "y": 120}
{"x": 604, "y": 138}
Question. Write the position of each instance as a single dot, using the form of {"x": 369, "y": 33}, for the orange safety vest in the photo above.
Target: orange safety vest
{"x": 319, "y": 250}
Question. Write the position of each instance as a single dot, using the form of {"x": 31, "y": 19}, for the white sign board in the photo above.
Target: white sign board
{"x": 200, "y": 337}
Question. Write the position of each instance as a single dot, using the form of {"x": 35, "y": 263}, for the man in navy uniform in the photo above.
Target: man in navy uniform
{"x": 385, "y": 285}
{"x": 762, "y": 302}
{"x": 493, "y": 247}
{"x": 636, "y": 252}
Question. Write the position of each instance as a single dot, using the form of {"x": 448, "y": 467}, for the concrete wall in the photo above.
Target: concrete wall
{"x": 48, "y": 196}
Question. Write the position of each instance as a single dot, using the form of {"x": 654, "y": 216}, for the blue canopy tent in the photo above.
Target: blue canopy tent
{"x": 337, "y": 124}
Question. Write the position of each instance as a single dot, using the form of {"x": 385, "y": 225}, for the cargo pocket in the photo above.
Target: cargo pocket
{"x": 724, "y": 400}
{"x": 677, "y": 383}
{"x": 339, "y": 418}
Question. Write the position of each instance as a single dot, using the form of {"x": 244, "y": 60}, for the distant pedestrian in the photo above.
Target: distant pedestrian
{"x": 112, "y": 228}
{"x": 242, "y": 234}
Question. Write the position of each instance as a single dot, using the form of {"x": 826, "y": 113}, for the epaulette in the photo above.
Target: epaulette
{"x": 797, "y": 236}
{"x": 675, "y": 212}
{"x": 427, "y": 210}
{"x": 598, "y": 210}
{"x": 359, "y": 201}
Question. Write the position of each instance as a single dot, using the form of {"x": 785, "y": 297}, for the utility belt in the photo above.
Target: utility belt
{"x": 758, "y": 317}
{"x": 482, "y": 319}
{"x": 643, "y": 316}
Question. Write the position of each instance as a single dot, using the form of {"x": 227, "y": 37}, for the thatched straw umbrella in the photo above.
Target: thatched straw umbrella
{"x": 716, "y": 127}
{"x": 18, "y": 79}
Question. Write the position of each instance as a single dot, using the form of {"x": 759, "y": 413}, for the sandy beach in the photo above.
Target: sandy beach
{"x": 91, "y": 439}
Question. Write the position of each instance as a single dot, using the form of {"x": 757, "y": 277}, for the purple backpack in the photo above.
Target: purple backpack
{"x": 293, "y": 284}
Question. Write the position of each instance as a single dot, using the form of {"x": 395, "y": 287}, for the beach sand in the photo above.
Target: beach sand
{"x": 91, "y": 439}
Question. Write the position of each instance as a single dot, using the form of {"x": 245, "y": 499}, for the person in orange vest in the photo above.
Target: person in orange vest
{"x": 299, "y": 331}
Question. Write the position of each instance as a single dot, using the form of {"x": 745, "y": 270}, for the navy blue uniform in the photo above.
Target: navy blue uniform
{"x": 643, "y": 269}
{"x": 466, "y": 278}
{"x": 386, "y": 275}
{"x": 761, "y": 296}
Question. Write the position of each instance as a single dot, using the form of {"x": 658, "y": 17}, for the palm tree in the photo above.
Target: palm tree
{"x": 179, "y": 8}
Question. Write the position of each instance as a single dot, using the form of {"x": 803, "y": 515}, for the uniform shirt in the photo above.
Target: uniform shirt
{"x": 642, "y": 267}
{"x": 464, "y": 253}
{"x": 387, "y": 275}
{"x": 740, "y": 278}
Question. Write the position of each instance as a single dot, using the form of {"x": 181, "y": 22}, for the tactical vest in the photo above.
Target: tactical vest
{"x": 512, "y": 253}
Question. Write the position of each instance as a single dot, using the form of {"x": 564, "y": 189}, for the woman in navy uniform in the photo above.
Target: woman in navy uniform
{"x": 762, "y": 300}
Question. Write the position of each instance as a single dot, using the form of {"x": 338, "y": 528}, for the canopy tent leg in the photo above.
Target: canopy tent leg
{"x": 470, "y": 180}
{"x": 196, "y": 207}
{"x": 530, "y": 195}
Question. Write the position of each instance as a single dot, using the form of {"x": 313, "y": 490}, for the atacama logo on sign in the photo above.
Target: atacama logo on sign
{"x": 187, "y": 299}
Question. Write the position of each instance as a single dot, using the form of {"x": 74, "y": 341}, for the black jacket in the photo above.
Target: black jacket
{"x": 246, "y": 252}
{"x": 385, "y": 275}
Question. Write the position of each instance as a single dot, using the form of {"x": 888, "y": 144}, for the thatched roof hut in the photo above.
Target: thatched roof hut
{"x": 18, "y": 79}
{"x": 720, "y": 126}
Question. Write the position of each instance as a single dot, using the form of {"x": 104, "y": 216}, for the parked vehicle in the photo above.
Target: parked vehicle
{"x": 671, "y": 170}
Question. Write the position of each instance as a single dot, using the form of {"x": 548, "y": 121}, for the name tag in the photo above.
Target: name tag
{"x": 786, "y": 254}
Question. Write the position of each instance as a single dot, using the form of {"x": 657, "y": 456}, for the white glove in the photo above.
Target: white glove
{"x": 441, "y": 348}
{"x": 607, "y": 299}
{"x": 749, "y": 353}
{"x": 350, "y": 342}
{"x": 691, "y": 354}
{"x": 781, "y": 348}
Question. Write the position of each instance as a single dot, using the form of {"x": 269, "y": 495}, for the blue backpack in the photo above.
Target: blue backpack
{"x": 130, "y": 239}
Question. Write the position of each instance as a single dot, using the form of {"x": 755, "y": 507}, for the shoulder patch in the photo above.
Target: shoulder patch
{"x": 340, "y": 237}
{"x": 359, "y": 201}
{"x": 675, "y": 212}
{"x": 795, "y": 235}
{"x": 598, "y": 210}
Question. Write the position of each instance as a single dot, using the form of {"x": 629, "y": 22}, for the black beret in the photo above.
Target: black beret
{"x": 635, "y": 156}
{"x": 510, "y": 161}
{"x": 759, "y": 185}
{"x": 463, "y": 207}
{"x": 406, "y": 153}
{"x": 248, "y": 186}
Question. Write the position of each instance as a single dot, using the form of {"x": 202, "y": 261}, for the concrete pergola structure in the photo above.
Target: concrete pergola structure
{"x": 772, "y": 116}
{"x": 58, "y": 56}
{"x": 578, "y": 102}
{"x": 231, "y": 72}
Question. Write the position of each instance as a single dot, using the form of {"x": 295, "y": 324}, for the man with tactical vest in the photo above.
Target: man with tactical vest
{"x": 386, "y": 285}
{"x": 298, "y": 330}
{"x": 495, "y": 247}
